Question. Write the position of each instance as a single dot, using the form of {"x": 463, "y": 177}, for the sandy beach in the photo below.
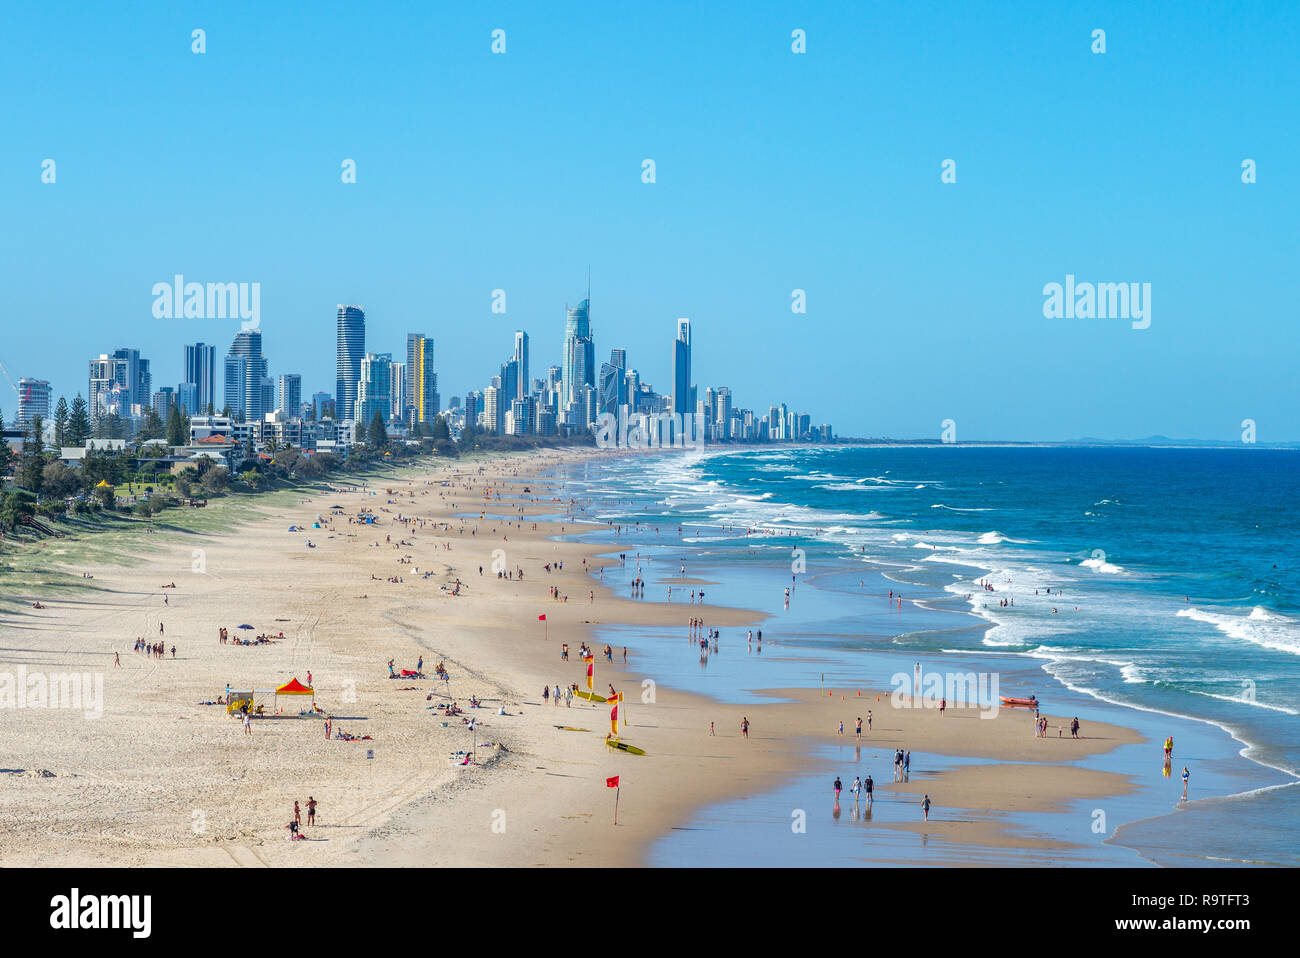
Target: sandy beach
{"x": 160, "y": 779}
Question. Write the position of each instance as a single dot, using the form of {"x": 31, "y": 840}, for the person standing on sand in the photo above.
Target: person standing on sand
{"x": 329, "y": 722}
{"x": 297, "y": 812}
{"x": 859, "y": 728}
{"x": 311, "y": 810}
{"x": 1185, "y": 777}
{"x": 117, "y": 660}
{"x": 248, "y": 723}
{"x": 744, "y": 727}
{"x": 1074, "y": 727}
{"x": 925, "y": 807}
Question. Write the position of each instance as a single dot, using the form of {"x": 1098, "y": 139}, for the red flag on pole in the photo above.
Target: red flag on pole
{"x": 542, "y": 617}
{"x": 611, "y": 782}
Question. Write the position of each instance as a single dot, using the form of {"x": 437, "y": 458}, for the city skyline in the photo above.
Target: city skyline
{"x": 405, "y": 394}
{"x": 827, "y": 177}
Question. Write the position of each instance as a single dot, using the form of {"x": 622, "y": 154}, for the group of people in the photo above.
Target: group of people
{"x": 156, "y": 650}
{"x": 294, "y": 827}
{"x": 224, "y": 638}
{"x": 558, "y": 694}
{"x": 902, "y": 764}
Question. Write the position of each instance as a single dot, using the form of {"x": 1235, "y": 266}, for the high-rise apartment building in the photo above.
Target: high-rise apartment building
{"x": 119, "y": 381}
{"x": 33, "y": 401}
{"x": 200, "y": 369}
{"x": 289, "y": 395}
{"x": 375, "y": 389}
{"x": 248, "y": 393}
{"x": 520, "y": 359}
{"x": 349, "y": 356}
{"x": 492, "y": 410}
{"x": 422, "y": 400}
{"x": 579, "y": 351}
{"x": 683, "y": 390}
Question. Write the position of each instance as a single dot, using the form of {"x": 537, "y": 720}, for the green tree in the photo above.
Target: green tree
{"x": 215, "y": 480}
{"x": 152, "y": 427}
{"x": 61, "y": 423}
{"x": 377, "y": 435}
{"x": 78, "y": 423}
{"x": 112, "y": 426}
{"x": 104, "y": 466}
{"x": 31, "y": 467}
{"x": 105, "y": 495}
{"x": 60, "y": 482}
{"x": 16, "y": 507}
{"x": 468, "y": 438}
{"x": 440, "y": 428}
{"x": 176, "y": 434}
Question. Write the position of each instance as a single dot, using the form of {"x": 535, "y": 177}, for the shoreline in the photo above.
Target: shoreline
{"x": 675, "y": 793}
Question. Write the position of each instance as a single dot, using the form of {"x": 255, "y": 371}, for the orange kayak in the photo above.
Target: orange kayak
{"x": 1025, "y": 703}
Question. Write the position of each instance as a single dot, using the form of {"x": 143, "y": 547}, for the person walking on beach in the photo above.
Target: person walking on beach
{"x": 329, "y": 722}
{"x": 841, "y": 728}
{"x": 925, "y": 807}
{"x": 838, "y": 786}
{"x": 744, "y": 727}
{"x": 859, "y": 728}
{"x": 117, "y": 660}
{"x": 1185, "y": 777}
{"x": 712, "y": 730}
{"x": 868, "y": 786}
{"x": 907, "y": 764}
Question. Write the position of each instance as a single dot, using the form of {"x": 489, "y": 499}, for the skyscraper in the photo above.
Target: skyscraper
{"x": 33, "y": 401}
{"x": 200, "y": 369}
{"x": 521, "y": 361}
{"x": 611, "y": 385}
{"x": 683, "y": 391}
{"x": 579, "y": 351}
{"x": 289, "y": 400}
{"x": 509, "y": 383}
{"x": 492, "y": 418}
{"x": 351, "y": 352}
{"x": 118, "y": 381}
{"x": 375, "y": 389}
{"x": 248, "y": 391}
{"x": 187, "y": 399}
{"x": 422, "y": 398}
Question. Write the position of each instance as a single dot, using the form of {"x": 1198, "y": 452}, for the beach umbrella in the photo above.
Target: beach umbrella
{"x": 244, "y": 626}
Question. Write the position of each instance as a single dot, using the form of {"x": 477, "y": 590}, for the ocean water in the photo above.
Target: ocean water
{"x": 1174, "y": 578}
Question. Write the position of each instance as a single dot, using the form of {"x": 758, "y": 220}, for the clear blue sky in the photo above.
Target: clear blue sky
{"x": 775, "y": 171}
